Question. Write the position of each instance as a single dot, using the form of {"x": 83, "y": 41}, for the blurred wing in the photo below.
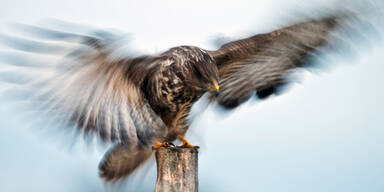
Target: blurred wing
{"x": 94, "y": 88}
{"x": 260, "y": 63}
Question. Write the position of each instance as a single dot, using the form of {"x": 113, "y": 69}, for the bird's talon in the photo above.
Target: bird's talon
{"x": 163, "y": 144}
{"x": 186, "y": 144}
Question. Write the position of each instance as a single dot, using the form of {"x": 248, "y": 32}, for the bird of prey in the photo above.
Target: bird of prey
{"x": 143, "y": 101}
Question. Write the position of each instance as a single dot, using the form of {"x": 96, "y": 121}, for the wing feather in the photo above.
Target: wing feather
{"x": 261, "y": 63}
{"x": 92, "y": 87}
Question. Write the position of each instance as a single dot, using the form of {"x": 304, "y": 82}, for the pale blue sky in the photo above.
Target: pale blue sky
{"x": 325, "y": 134}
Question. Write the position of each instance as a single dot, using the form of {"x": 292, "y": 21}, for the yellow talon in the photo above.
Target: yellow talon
{"x": 186, "y": 143}
{"x": 162, "y": 144}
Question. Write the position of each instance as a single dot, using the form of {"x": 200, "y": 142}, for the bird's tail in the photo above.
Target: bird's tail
{"x": 121, "y": 160}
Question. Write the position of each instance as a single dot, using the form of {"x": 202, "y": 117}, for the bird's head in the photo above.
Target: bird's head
{"x": 207, "y": 76}
{"x": 200, "y": 69}
{"x": 205, "y": 71}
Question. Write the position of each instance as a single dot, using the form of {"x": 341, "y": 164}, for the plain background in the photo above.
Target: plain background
{"x": 325, "y": 134}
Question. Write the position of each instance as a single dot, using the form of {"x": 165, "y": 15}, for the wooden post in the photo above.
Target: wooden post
{"x": 176, "y": 169}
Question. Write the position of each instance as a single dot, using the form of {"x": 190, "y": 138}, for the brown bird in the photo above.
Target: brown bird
{"x": 141, "y": 102}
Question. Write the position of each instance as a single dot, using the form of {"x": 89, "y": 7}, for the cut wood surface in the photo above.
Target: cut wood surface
{"x": 177, "y": 169}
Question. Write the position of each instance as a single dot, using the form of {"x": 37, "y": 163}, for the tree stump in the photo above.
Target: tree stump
{"x": 176, "y": 169}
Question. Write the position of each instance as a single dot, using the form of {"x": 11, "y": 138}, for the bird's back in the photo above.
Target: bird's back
{"x": 168, "y": 91}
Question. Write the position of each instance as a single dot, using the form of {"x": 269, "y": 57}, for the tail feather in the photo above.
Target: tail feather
{"x": 121, "y": 160}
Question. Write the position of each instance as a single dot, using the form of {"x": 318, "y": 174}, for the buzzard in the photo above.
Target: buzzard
{"x": 143, "y": 101}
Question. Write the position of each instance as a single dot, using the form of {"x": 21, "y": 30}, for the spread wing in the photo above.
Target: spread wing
{"x": 261, "y": 63}
{"x": 93, "y": 87}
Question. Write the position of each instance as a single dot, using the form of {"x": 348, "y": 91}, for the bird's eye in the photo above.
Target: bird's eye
{"x": 173, "y": 67}
{"x": 197, "y": 73}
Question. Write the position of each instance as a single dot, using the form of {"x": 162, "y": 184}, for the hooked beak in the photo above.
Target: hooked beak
{"x": 215, "y": 86}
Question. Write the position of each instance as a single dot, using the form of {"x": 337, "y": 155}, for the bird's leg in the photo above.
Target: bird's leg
{"x": 186, "y": 143}
{"x": 162, "y": 144}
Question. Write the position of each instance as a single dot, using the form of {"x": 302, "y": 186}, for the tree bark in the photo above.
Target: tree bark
{"x": 176, "y": 169}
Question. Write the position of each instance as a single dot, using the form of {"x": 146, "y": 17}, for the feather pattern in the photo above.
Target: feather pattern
{"x": 96, "y": 90}
{"x": 260, "y": 63}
